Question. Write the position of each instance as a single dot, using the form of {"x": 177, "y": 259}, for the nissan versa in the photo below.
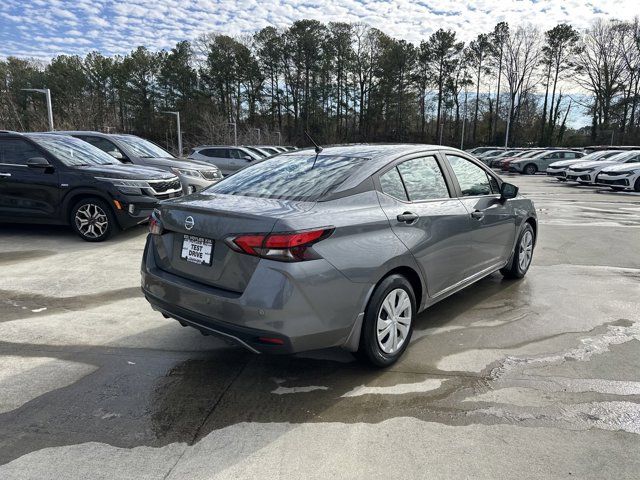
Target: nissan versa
{"x": 55, "y": 179}
{"x": 338, "y": 248}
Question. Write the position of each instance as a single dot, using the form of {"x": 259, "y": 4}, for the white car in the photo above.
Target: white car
{"x": 559, "y": 169}
{"x": 585, "y": 173}
{"x": 621, "y": 177}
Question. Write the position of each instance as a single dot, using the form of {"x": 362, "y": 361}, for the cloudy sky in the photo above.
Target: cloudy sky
{"x": 44, "y": 28}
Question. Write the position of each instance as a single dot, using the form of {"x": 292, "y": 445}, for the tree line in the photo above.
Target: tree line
{"x": 346, "y": 82}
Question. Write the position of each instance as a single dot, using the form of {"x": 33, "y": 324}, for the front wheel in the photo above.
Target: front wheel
{"x": 388, "y": 322}
{"x": 636, "y": 186}
{"x": 93, "y": 220}
{"x": 522, "y": 255}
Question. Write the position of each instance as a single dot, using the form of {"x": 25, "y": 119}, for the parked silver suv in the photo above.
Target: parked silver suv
{"x": 341, "y": 248}
{"x": 228, "y": 159}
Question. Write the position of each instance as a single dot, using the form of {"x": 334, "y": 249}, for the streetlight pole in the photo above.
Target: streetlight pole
{"x": 258, "y": 130}
{"x": 235, "y": 132}
{"x": 464, "y": 120}
{"x": 47, "y": 94}
{"x": 177, "y": 114}
{"x": 279, "y": 138}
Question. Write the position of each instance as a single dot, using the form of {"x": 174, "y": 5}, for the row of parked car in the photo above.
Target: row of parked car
{"x": 99, "y": 183}
{"x": 617, "y": 168}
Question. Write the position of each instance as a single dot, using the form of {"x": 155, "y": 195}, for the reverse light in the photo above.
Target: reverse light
{"x": 283, "y": 247}
{"x": 155, "y": 224}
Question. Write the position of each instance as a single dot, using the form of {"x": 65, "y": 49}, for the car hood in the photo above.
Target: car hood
{"x": 130, "y": 172}
{"x": 623, "y": 167}
{"x": 178, "y": 163}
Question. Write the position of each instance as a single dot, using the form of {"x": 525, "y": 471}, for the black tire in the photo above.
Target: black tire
{"x": 636, "y": 186}
{"x": 516, "y": 268}
{"x": 530, "y": 169}
{"x": 370, "y": 349}
{"x": 100, "y": 217}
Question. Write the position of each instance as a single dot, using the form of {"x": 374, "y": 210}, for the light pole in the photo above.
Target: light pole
{"x": 279, "y": 138}
{"x": 464, "y": 120}
{"x": 177, "y": 114}
{"x": 47, "y": 94}
{"x": 235, "y": 133}
{"x": 258, "y": 130}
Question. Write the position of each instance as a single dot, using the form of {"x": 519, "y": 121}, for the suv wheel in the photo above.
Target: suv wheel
{"x": 530, "y": 169}
{"x": 388, "y": 322}
{"x": 93, "y": 220}
{"x": 636, "y": 186}
{"x": 522, "y": 255}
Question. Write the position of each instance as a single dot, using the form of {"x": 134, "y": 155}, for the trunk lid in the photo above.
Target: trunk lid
{"x": 217, "y": 217}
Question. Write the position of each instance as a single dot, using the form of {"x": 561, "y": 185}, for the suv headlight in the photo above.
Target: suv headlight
{"x": 187, "y": 172}
{"x": 128, "y": 187}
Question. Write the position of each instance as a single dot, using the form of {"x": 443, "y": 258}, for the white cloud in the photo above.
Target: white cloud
{"x": 117, "y": 26}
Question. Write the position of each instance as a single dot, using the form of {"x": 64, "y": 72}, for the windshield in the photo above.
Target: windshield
{"x": 622, "y": 156}
{"x": 300, "y": 177}
{"x": 72, "y": 151}
{"x": 143, "y": 148}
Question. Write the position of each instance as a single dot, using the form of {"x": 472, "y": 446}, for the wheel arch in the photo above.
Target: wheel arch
{"x": 74, "y": 196}
{"x": 419, "y": 289}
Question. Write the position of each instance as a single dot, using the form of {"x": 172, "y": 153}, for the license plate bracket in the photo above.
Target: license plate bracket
{"x": 197, "y": 250}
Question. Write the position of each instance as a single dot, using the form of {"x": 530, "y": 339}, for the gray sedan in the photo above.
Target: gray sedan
{"x": 338, "y": 248}
{"x": 540, "y": 162}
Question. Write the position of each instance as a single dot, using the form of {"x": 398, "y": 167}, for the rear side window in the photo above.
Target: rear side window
{"x": 212, "y": 152}
{"x": 391, "y": 184}
{"x": 423, "y": 179}
{"x": 16, "y": 151}
{"x": 301, "y": 177}
{"x": 472, "y": 179}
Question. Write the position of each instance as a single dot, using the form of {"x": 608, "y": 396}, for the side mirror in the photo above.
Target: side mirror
{"x": 38, "y": 162}
{"x": 248, "y": 158}
{"x": 507, "y": 191}
{"x": 116, "y": 154}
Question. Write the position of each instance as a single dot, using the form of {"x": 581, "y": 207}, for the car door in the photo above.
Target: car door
{"x": 26, "y": 192}
{"x": 547, "y": 160}
{"x": 494, "y": 221}
{"x": 237, "y": 159}
{"x": 429, "y": 220}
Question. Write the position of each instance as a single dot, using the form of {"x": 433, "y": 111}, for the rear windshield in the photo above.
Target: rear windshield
{"x": 290, "y": 177}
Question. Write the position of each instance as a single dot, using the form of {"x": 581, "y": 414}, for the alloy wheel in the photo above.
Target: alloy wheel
{"x": 526, "y": 251}
{"x": 91, "y": 220}
{"x": 394, "y": 321}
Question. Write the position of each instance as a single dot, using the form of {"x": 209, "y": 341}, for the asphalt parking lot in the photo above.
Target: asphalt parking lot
{"x": 538, "y": 378}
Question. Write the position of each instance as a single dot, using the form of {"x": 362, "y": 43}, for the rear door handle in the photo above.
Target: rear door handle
{"x": 5, "y": 174}
{"x": 477, "y": 214}
{"x": 407, "y": 217}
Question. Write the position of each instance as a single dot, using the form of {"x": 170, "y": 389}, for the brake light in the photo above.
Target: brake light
{"x": 283, "y": 247}
{"x": 155, "y": 225}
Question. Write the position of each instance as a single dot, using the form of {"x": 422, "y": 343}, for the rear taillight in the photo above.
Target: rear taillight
{"x": 284, "y": 247}
{"x": 155, "y": 224}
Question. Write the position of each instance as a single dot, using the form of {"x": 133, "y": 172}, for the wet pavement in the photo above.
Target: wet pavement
{"x": 538, "y": 378}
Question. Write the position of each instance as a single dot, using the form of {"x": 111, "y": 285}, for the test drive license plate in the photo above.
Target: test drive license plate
{"x": 197, "y": 250}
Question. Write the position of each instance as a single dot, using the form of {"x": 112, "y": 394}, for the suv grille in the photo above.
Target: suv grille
{"x": 164, "y": 186}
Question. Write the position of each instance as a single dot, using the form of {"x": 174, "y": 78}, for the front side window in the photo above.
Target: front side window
{"x": 391, "y": 184}
{"x": 472, "y": 179}
{"x": 302, "y": 177}
{"x": 16, "y": 151}
{"x": 423, "y": 179}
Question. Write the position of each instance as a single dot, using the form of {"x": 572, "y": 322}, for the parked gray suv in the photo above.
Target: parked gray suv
{"x": 540, "y": 162}
{"x": 228, "y": 159}
{"x": 193, "y": 175}
{"x": 341, "y": 248}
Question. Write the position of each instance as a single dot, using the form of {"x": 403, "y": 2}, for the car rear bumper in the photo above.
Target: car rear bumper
{"x": 296, "y": 306}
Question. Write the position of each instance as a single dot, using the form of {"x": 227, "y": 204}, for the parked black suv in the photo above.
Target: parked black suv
{"x": 58, "y": 179}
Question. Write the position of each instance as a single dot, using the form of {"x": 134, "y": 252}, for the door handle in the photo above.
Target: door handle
{"x": 5, "y": 174}
{"x": 477, "y": 214}
{"x": 407, "y": 217}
